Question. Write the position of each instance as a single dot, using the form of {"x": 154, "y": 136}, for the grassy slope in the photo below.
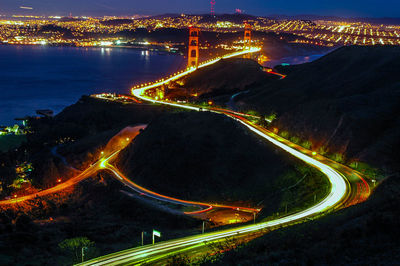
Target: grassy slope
{"x": 347, "y": 100}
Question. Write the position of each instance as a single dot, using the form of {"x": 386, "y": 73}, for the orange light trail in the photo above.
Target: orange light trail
{"x": 155, "y": 195}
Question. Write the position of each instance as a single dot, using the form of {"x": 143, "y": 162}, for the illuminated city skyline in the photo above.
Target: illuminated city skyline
{"x": 358, "y": 8}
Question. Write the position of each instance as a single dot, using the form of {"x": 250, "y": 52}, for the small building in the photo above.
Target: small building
{"x": 23, "y": 120}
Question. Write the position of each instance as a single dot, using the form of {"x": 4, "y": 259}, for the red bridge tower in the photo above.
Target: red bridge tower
{"x": 193, "y": 56}
{"x": 247, "y": 39}
{"x": 247, "y": 36}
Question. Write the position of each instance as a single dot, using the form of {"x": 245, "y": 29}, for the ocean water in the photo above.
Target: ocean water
{"x": 42, "y": 77}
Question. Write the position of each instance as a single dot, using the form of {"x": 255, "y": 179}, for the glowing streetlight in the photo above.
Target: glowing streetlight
{"x": 103, "y": 163}
{"x": 156, "y": 233}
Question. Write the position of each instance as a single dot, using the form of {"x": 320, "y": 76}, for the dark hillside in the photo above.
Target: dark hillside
{"x": 347, "y": 101}
{"x": 77, "y": 133}
{"x": 201, "y": 156}
{"x": 208, "y": 157}
{"x": 227, "y": 77}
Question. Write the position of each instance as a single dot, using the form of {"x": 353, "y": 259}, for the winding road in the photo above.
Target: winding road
{"x": 348, "y": 187}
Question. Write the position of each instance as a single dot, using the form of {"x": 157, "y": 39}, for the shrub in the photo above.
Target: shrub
{"x": 284, "y": 134}
{"x": 79, "y": 248}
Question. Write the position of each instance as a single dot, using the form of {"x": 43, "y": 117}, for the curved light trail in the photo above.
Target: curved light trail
{"x": 342, "y": 180}
{"x": 90, "y": 171}
{"x": 205, "y": 207}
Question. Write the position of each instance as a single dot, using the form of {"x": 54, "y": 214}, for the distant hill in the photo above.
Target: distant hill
{"x": 116, "y": 22}
{"x": 235, "y": 18}
{"x": 383, "y": 20}
{"x": 45, "y": 29}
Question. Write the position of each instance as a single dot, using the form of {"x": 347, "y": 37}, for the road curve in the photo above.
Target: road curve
{"x": 345, "y": 184}
{"x": 339, "y": 193}
{"x": 204, "y": 207}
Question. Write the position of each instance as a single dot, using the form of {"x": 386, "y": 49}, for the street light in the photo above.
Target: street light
{"x": 155, "y": 233}
{"x": 83, "y": 252}
{"x": 143, "y": 233}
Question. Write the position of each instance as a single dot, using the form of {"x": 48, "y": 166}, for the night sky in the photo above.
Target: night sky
{"x": 348, "y": 8}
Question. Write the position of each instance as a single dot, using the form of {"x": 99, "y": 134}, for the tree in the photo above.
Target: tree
{"x": 77, "y": 247}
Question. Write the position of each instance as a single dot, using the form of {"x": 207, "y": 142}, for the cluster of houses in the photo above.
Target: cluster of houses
{"x": 20, "y": 129}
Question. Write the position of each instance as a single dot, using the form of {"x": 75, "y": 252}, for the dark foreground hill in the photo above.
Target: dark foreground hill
{"x": 201, "y": 156}
{"x": 346, "y": 102}
{"x": 210, "y": 158}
